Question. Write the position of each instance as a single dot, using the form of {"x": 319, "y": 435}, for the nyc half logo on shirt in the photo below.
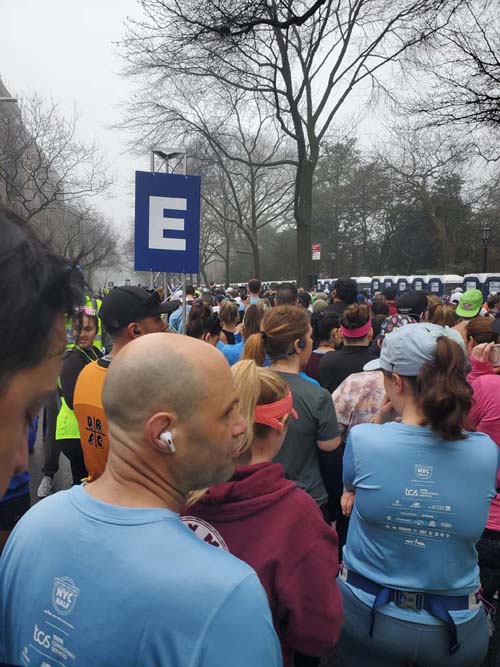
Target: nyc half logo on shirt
{"x": 64, "y": 595}
{"x": 423, "y": 471}
{"x": 205, "y": 531}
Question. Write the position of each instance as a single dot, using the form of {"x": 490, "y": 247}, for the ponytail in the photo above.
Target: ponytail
{"x": 442, "y": 392}
{"x": 255, "y": 348}
{"x": 247, "y": 385}
{"x": 280, "y": 328}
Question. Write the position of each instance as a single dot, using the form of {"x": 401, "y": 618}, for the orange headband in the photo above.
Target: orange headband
{"x": 270, "y": 413}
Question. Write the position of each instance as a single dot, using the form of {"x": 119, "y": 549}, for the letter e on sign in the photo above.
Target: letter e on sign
{"x": 159, "y": 222}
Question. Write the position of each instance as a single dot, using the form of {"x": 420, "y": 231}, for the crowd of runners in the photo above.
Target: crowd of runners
{"x": 297, "y": 472}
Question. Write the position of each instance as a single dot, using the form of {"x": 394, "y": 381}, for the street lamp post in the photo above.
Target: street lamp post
{"x": 486, "y": 242}
{"x": 8, "y": 99}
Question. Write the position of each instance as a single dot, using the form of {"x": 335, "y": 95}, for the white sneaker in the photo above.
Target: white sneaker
{"x": 46, "y": 487}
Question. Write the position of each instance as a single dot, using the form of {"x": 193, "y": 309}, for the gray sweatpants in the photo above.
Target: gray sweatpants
{"x": 398, "y": 643}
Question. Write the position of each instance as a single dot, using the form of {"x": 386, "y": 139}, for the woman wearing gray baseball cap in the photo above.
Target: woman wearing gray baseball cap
{"x": 423, "y": 488}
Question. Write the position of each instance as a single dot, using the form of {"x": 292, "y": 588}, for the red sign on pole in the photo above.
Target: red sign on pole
{"x": 316, "y": 252}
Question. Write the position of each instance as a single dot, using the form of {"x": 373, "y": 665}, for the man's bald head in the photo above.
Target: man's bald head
{"x": 157, "y": 373}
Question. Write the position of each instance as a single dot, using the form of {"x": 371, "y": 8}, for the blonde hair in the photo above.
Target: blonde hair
{"x": 255, "y": 386}
{"x": 228, "y": 312}
{"x": 433, "y": 300}
{"x": 443, "y": 314}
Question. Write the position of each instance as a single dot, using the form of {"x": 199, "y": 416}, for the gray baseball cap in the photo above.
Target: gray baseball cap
{"x": 407, "y": 349}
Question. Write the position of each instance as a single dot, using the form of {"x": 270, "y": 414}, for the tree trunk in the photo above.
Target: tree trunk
{"x": 303, "y": 217}
{"x": 256, "y": 259}
{"x": 228, "y": 263}
{"x": 204, "y": 275}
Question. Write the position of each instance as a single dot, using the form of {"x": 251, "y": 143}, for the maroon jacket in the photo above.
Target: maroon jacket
{"x": 271, "y": 524}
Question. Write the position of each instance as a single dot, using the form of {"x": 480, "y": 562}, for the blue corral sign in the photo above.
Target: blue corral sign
{"x": 167, "y": 222}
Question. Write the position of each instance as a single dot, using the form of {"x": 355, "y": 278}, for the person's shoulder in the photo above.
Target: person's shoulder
{"x": 330, "y": 358}
{"x": 43, "y": 514}
{"x": 73, "y": 357}
{"x": 216, "y": 562}
{"x": 88, "y": 375}
{"x": 309, "y": 379}
{"x": 478, "y": 439}
{"x": 305, "y": 387}
{"x": 363, "y": 430}
{"x": 362, "y": 434}
{"x": 92, "y": 368}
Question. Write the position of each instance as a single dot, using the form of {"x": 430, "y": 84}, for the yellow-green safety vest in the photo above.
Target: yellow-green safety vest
{"x": 67, "y": 424}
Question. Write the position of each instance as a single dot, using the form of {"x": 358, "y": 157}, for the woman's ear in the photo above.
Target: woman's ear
{"x": 399, "y": 383}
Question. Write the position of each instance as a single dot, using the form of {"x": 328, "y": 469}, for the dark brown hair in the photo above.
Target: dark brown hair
{"x": 479, "y": 328}
{"x": 77, "y": 322}
{"x": 353, "y": 317}
{"x": 201, "y": 320}
{"x": 442, "y": 392}
{"x": 280, "y": 328}
{"x": 251, "y": 320}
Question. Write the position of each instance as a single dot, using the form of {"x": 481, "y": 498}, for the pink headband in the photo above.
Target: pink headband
{"x": 269, "y": 413}
{"x": 360, "y": 332}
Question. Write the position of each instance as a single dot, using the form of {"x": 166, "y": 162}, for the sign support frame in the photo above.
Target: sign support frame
{"x": 171, "y": 161}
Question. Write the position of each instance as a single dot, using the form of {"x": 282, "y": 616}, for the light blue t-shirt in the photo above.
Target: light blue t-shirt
{"x": 86, "y": 583}
{"x": 175, "y": 320}
{"x": 421, "y": 505}
{"x": 231, "y": 352}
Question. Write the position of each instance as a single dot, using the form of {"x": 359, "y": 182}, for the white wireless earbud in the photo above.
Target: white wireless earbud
{"x": 166, "y": 437}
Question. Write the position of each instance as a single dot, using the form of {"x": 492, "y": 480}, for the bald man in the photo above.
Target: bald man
{"x": 107, "y": 574}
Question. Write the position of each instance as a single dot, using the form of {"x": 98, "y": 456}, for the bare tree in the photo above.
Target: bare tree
{"x": 304, "y": 72}
{"x": 43, "y": 164}
{"x": 463, "y": 70}
{"x": 82, "y": 233}
{"x": 247, "y": 181}
{"x": 418, "y": 161}
{"x": 225, "y": 19}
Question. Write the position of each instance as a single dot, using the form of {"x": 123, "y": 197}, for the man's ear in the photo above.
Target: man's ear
{"x": 134, "y": 330}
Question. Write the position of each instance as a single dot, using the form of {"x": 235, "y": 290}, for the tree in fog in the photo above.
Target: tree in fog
{"x": 44, "y": 166}
{"x": 304, "y": 72}
{"x": 85, "y": 235}
{"x": 425, "y": 165}
{"x": 247, "y": 182}
{"x": 460, "y": 86}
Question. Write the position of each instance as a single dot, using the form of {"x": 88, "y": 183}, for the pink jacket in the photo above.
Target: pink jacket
{"x": 485, "y": 417}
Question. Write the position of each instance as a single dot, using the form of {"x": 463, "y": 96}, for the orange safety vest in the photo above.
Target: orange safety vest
{"x": 92, "y": 422}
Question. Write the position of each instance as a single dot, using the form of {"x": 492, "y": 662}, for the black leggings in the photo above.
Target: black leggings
{"x": 72, "y": 450}
{"x": 488, "y": 550}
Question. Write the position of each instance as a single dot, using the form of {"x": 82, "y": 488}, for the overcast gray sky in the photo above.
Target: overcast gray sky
{"x": 64, "y": 49}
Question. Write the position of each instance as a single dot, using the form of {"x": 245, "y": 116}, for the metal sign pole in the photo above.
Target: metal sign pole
{"x": 167, "y": 219}
{"x": 179, "y": 159}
